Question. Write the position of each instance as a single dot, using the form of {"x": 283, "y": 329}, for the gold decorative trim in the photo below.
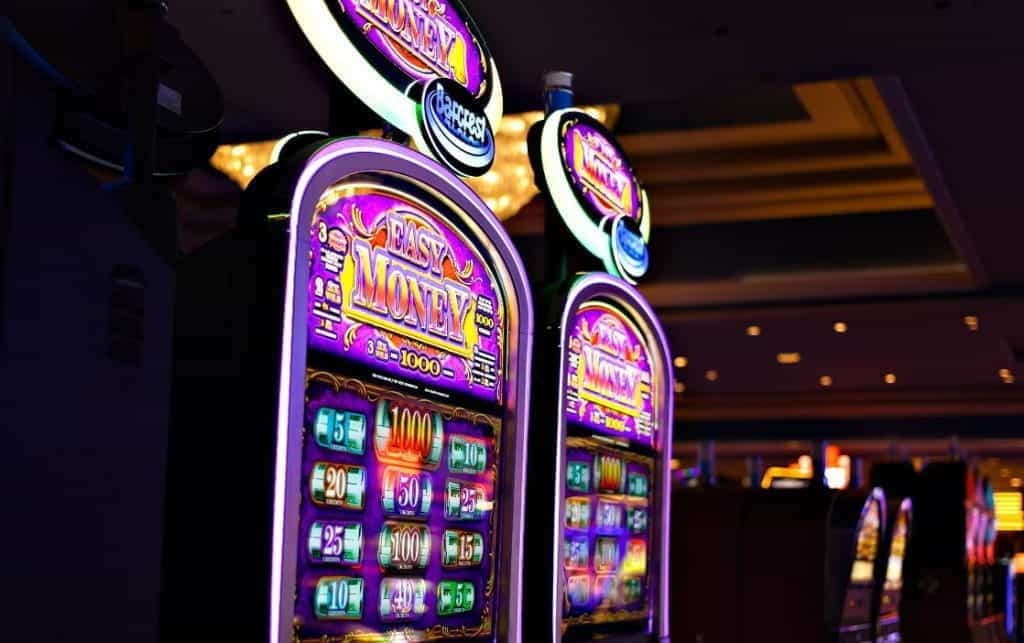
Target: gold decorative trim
{"x": 372, "y": 394}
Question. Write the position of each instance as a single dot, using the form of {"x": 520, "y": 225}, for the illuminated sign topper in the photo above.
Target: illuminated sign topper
{"x": 609, "y": 375}
{"x": 596, "y": 191}
{"x": 392, "y": 285}
{"x": 456, "y": 131}
{"x": 389, "y": 53}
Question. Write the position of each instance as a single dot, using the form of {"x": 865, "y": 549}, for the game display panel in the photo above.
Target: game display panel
{"x": 599, "y": 171}
{"x": 402, "y": 433}
{"x": 609, "y": 376}
{"x": 609, "y": 474}
{"x": 892, "y": 583}
{"x": 422, "y": 39}
{"x": 855, "y": 610}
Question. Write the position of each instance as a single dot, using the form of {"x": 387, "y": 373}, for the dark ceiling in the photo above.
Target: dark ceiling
{"x": 903, "y": 278}
{"x": 651, "y": 54}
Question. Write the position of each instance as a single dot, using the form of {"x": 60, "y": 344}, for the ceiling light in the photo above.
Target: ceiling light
{"x": 754, "y": 331}
{"x": 840, "y": 327}
{"x": 680, "y": 387}
{"x": 1016, "y": 483}
{"x": 1009, "y": 380}
{"x": 890, "y": 378}
{"x": 711, "y": 375}
{"x": 825, "y": 380}
{"x": 971, "y": 321}
{"x": 506, "y": 188}
{"x": 679, "y": 361}
{"x": 788, "y": 358}
{"x": 243, "y": 161}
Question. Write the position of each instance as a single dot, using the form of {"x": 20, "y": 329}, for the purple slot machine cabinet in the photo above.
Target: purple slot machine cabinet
{"x": 350, "y": 435}
{"x": 602, "y": 418}
{"x": 397, "y": 508}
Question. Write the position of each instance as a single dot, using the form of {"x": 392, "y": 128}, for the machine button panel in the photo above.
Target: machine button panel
{"x": 403, "y": 546}
{"x": 338, "y": 485}
{"x": 402, "y": 599}
{"x": 339, "y": 597}
{"x": 336, "y": 542}
{"x": 406, "y": 493}
{"x": 455, "y": 597}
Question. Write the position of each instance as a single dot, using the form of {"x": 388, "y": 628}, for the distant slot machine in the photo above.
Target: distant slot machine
{"x": 856, "y": 599}
{"x": 612, "y": 458}
{"x": 949, "y": 593}
{"x": 353, "y": 369}
{"x": 597, "y": 547}
{"x": 796, "y": 565}
{"x": 890, "y": 595}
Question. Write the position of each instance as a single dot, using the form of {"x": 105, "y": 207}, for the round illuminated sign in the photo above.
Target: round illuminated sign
{"x": 595, "y": 190}
{"x": 456, "y": 131}
{"x": 389, "y": 52}
{"x": 629, "y": 249}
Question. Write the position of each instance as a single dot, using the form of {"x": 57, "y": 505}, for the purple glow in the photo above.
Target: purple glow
{"x": 396, "y": 289}
{"x": 410, "y": 170}
{"x": 607, "y": 291}
{"x": 609, "y": 375}
{"x": 608, "y": 555}
{"x": 599, "y": 172}
{"x": 393, "y": 501}
{"x": 424, "y": 38}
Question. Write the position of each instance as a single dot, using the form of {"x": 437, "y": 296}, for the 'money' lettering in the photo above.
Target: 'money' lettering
{"x": 424, "y": 32}
{"x": 608, "y": 377}
{"x": 403, "y": 282}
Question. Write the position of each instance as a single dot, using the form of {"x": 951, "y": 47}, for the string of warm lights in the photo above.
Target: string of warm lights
{"x": 506, "y": 188}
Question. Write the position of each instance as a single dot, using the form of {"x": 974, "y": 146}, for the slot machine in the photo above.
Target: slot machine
{"x": 599, "y": 485}
{"x": 808, "y": 559}
{"x": 945, "y": 598}
{"x": 348, "y": 454}
{"x": 896, "y": 479}
{"x": 887, "y": 617}
{"x": 795, "y": 565}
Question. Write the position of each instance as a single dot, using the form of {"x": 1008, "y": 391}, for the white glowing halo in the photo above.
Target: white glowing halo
{"x": 345, "y": 60}
{"x": 587, "y": 232}
{"x": 275, "y": 153}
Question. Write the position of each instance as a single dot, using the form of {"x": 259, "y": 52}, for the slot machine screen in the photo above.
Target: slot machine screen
{"x": 402, "y": 437}
{"x": 897, "y": 552}
{"x": 610, "y": 464}
{"x": 867, "y": 545}
{"x": 856, "y": 605}
{"x": 892, "y": 585}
